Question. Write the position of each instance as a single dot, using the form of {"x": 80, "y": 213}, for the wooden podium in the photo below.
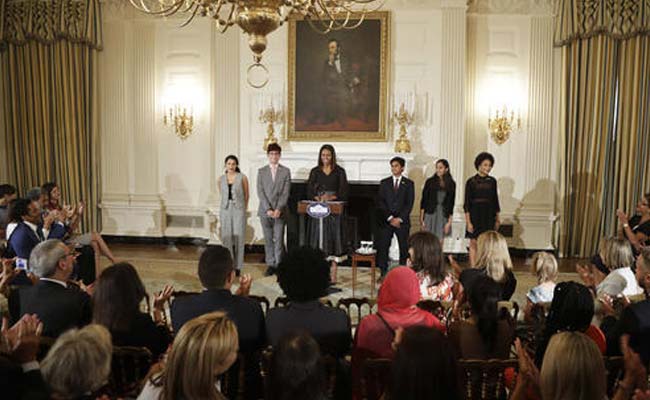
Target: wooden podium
{"x": 335, "y": 208}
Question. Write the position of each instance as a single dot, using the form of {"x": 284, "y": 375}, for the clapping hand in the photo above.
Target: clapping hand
{"x": 245, "y": 282}
{"x": 22, "y": 340}
{"x": 622, "y": 216}
{"x": 162, "y": 297}
{"x": 8, "y": 271}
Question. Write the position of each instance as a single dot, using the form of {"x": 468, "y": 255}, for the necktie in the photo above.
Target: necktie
{"x": 39, "y": 233}
{"x": 395, "y": 185}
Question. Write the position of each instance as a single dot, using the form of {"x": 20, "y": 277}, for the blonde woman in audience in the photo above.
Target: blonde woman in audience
{"x": 79, "y": 363}
{"x": 493, "y": 260}
{"x": 426, "y": 259}
{"x": 620, "y": 280}
{"x": 203, "y": 349}
{"x": 573, "y": 368}
{"x": 544, "y": 267}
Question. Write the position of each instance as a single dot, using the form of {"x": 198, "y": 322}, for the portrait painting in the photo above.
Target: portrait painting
{"x": 338, "y": 81}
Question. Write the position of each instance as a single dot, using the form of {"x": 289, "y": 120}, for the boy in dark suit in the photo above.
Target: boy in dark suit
{"x": 396, "y": 196}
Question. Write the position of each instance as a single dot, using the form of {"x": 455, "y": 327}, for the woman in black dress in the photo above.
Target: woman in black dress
{"x": 481, "y": 202}
{"x": 328, "y": 182}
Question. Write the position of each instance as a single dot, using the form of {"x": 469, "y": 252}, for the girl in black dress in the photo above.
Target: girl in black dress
{"x": 481, "y": 202}
{"x": 328, "y": 182}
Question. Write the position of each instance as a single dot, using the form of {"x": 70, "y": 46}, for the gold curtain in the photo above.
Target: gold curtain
{"x": 604, "y": 119}
{"x": 50, "y": 96}
{"x": 631, "y": 163}
{"x": 588, "y": 86}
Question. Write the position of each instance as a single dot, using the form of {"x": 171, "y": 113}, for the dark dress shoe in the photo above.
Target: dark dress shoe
{"x": 269, "y": 271}
{"x": 237, "y": 273}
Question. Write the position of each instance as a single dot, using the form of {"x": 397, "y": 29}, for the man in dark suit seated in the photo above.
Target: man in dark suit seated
{"x": 396, "y": 196}
{"x": 635, "y": 319}
{"x": 217, "y": 274}
{"x": 30, "y": 231}
{"x": 304, "y": 277}
{"x": 57, "y": 304}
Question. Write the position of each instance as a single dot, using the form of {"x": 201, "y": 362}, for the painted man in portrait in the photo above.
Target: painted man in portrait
{"x": 339, "y": 83}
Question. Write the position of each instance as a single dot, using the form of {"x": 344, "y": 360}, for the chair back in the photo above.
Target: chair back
{"x": 284, "y": 301}
{"x": 375, "y": 374}
{"x": 242, "y": 380}
{"x": 167, "y": 311}
{"x": 130, "y": 366}
{"x": 357, "y": 308}
{"x": 329, "y": 362}
{"x": 264, "y": 302}
{"x": 615, "y": 369}
{"x": 511, "y": 306}
{"x": 485, "y": 379}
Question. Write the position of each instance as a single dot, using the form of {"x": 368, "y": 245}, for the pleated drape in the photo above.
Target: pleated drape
{"x": 604, "y": 117}
{"x": 588, "y": 86}
{"x": 49, "y": 95}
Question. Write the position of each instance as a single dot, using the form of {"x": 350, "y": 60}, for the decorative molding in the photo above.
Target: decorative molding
{"x": 524, "y": 7}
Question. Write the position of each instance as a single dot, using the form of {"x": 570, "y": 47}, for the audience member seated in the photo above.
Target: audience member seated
{"x": 396, "y": 308}
{"x": 7, "y": 195}
{"x": 20, "y": 374}
{"x": 494, "y": 261}
{"x": 573, "y": 368}
{"x": 544, "y": 267}
{"x": 217, "y": 274}
{"x": 424, "y": 367}
{"x": 79, "y": 363}
{"x": 572, "y": 310}
{"x": 116, "y": 305}
{"x": 635, "y": 319}
{"x": 57, "y": 304}
{"x": 489, "y": 332}
{"x": 303, "y": 276}
{"x": 620, "y": 279}
{"x": 204, "y": 348}
{"x": 296, "y": 370}
{"x": 426, "y": 259}
{"x": 636, "y": 229}
{"x": 52, "y": 194}
{"x": 30, "y": 230}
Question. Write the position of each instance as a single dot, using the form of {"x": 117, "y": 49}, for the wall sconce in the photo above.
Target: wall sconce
{"x": 502, "y": 124}
{"x": 183, "y": 122}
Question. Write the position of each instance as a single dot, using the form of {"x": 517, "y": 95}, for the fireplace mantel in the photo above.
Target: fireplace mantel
{"x": 359, "y": 167}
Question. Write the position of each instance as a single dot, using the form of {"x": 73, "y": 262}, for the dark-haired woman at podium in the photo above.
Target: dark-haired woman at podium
{"x": 328, "y": 182}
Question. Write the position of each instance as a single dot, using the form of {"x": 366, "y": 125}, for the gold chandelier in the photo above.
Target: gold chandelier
{"x": 258, "y": 18}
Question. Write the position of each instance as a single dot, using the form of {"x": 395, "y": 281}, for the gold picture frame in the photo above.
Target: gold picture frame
{"x": 345, "y": 100}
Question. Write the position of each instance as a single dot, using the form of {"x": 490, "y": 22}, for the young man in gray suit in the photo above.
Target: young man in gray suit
{"x": 273, "y": 184}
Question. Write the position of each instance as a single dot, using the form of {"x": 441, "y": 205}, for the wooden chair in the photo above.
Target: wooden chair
{"x": 167, "y": 312}
{"x": 511, "y": 306}
{"x": 375, "y": 374}
{"x": 615, "y": 369}
{"x": 233, "y": 382}
{"x": 351, "y": 304}
{"x": 264, "y": 302}
{"x": 329, "y": 362}
{"x": 484, "y": 379}
{"x": 129, "y": 367}
{"x": 284, "y": 301}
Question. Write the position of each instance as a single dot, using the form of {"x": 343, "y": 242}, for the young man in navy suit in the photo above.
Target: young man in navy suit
{"x": 396, "y": 195}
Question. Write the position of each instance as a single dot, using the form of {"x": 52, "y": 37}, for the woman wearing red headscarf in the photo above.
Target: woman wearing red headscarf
{"x": 396, "y": 308}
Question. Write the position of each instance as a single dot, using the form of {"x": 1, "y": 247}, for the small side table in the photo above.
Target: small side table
{"x": 369, "y": 258}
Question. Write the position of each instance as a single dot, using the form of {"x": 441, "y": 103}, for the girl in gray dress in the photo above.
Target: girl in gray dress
{"x": 437, "y": 204}
{"x": 233, "y": 186}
